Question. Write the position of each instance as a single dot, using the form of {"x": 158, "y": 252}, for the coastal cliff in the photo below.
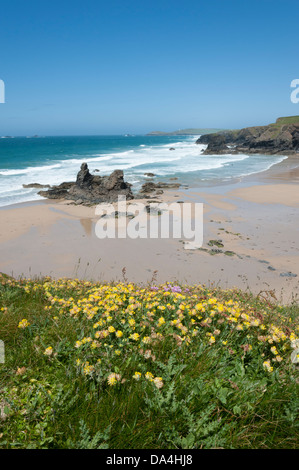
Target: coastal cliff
{"x": 281, "y": 137}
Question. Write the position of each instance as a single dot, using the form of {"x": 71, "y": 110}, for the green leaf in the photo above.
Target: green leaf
{"x": 222, "y": 395}
{"x": 240, "y": 369}
{"x": 237, "y": 410}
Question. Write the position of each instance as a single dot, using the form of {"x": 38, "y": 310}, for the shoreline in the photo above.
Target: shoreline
{"x": 255, "y": 219}
{"x": 290, "y": 161}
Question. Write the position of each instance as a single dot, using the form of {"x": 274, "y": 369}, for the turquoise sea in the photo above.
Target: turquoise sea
{"x": 53, "y": 160}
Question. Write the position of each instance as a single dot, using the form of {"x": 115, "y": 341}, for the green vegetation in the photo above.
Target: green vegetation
{"x": 283, "y": 121}
{"x": 274, "y": 128}
{"x": 187, "y": 132}
{"x": 216, "y": 243}
{"x": 123, "y": 366}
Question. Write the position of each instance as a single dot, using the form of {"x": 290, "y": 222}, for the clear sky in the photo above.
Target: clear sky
{"x": 118, "y": 66}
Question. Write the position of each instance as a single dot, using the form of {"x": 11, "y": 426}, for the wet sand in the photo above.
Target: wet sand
{"x": 254, "y": 219}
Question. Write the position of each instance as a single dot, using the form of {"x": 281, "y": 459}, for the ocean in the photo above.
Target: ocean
{"x": 53, "y": 160}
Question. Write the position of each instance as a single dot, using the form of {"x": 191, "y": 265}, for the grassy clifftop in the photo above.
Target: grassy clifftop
{"x": 123, "y": 366}
{"x": 283, "y": 121}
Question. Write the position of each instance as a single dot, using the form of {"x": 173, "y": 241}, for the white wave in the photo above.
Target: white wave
{"x": 119, "y": 154}
{"x": 28, "y": 170}
{"x": 89, "y": 159}
{"x": 281, "y": 159}
{"x": 187, "y": 158}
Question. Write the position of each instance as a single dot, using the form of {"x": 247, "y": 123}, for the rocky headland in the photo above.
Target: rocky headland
{"x": 281, "y": 137}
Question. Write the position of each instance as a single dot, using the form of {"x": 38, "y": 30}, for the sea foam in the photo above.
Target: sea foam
{"x": 57, "y": 161}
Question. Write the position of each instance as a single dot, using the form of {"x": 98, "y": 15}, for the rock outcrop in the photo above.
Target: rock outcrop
{"x": 281, "y": 137}
{"x": 217, "y": 146}
{"x": 36, "y": 185}
{"x": 91, "y": 189}
{"x": 151, "y": 189}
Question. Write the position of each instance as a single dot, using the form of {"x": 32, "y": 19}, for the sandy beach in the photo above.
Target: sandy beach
{"x": 254, "y": 222}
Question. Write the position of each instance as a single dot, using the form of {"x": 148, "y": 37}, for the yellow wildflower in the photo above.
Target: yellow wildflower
{"x": 267, "y": 366}
{"x": 137, "y": 376}
{"x": 88, "y": 369}
{"x": 149, "y": 376}
{"x": 113, "y": 379}
{"x": 274, "y": 350}
{"x": 135, "y": 336}
{"x": 24, "y": 323}
{"x": 48, "y": 351}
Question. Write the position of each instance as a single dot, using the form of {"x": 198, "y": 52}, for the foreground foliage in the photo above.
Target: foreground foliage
{"x": 125, "y": 366}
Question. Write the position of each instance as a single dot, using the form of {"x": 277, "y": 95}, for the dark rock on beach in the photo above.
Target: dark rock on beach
{"x": 148, "y": 187}
{"x": 151, "y": 188}
{"x": 57, "y": 192}
{"x": 288, "y": 274}
{"x": 91, "y": 189}
{"x": 216, "y": 243}
{"x": 36, "y": 185}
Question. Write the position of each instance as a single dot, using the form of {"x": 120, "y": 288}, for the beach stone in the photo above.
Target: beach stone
{"x": 150, "y": 209}
{"x": 36, "y": 185}
{"x": 215, "y": 242}
{"x": 229, "y": 253}
{"x": 148, "y": 187}
{"x": 215, "y": 251}
{"x": 288, "y": 274}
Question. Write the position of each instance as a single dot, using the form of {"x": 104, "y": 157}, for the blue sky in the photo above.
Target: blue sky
{"x": 95, "y": 67}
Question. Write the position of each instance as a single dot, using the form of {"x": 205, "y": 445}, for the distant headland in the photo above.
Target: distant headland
{"x": 186, "y": 132}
